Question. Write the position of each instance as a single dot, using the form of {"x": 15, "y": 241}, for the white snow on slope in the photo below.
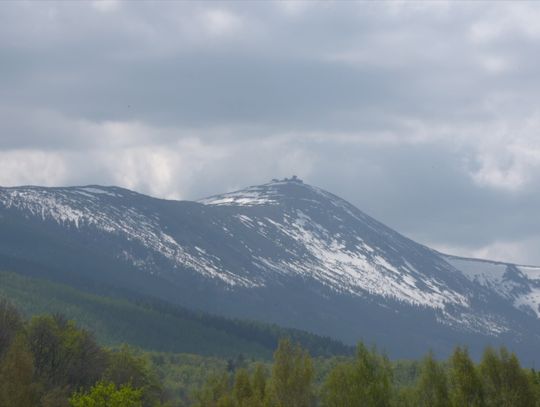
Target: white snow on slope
{"x": 486, "y": 273}
{"x": 252, "y": 196}
{"x": 532, "y": 298}
{"x": 357, "y": 271}
{"x": 66, "y": 208}
{"x": 524, "y": 293}
{"x": 532, "y": 273}
{"x": 94, "y": 190}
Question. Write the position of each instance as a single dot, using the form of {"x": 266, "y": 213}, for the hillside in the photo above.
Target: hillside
{"x": 154, "y": 325}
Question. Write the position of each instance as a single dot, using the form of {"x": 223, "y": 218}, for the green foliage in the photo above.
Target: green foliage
{"x": 432, "y": 387}
{"x": 50, "y": 362}
{"x": 10, "y": 324}
{"x": 108, "y": 395}
{"x": 259, "y": 382}
{"x": 63, "y": 354}
{"x": 504, "y": 382}
{"x": 405, "y": 372}
{"x": 215, "y": 392}
{"x": 291, "y": 384}
{"x": 365, "y": 381}
{"x": 181, "y": 374}
{"x": 57, "y": 397}
{"x": 465, "y": 384}
{"x": 243, "y": 391}
{"x": 125, "y": 368}
{"x": 17, "y": 388}
{"x": 49, "y": 358}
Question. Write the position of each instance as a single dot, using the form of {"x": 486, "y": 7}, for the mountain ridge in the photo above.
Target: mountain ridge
{"x": 335, "y": 270}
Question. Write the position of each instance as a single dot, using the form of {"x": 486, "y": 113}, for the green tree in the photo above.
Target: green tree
{"x": 465, "y": 383}
{"x": 63, "y": 354}
{"x": 243, "y": 392}
{"x": 108, "y": 395}
{"x": 215, "y": 392}
{"x": 341, "y": 389}
{"x": 125, "y": 368}
{"x": 57, "y": 397}
{"x": 406, "y": 396}
{"x": 365, "y": 381}
{"x": 292, "y": 376}
{"x": 10, "y": 323}
{"x": 259, "y": 382}
{"x": 16, "y": 375}
{"x": 534, "y": 380}
{"x": 432, "y": 387}
{"x": 505, "y": 383}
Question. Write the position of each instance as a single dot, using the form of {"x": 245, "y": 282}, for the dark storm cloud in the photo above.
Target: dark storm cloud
{"x": 424, "y": 114}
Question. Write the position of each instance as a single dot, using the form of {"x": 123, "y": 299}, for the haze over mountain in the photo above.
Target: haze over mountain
{"x": 283, "y": 252}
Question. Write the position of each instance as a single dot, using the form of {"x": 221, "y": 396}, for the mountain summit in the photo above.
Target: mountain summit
{"x": 284, "y": 252}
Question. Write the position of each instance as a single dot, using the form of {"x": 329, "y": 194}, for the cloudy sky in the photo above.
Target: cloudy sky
{"x": 425, "y": 115}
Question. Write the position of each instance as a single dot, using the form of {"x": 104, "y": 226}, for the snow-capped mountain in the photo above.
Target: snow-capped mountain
{"x": 284, "y": 252}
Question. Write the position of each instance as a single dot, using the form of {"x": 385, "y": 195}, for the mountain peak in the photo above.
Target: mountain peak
{"x": 270, "y": 193}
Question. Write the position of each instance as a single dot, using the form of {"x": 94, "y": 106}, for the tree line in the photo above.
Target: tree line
{"x": 48, "y": 361}
{"x": 367, "y": 380}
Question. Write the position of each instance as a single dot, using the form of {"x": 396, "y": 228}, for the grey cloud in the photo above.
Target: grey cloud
{"x": 422, "y": 114}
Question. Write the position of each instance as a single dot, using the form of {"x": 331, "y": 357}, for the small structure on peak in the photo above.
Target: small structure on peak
{"x": 294, "y": 178}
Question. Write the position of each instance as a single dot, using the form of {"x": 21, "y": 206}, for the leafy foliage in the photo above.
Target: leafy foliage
{"x": 17, "y": 387}
{"x": 432, "y": 387}
{"x": 49, "y": 358}
{"x": 364, "y": 381}
{"x": 504, "y": 382}
{"x": 108, "y": 395}
{"x": 466, "y": 387}
{"x": 292, "y": 376}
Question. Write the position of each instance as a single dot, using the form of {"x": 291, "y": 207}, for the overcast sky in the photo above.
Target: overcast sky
{"x": 424, "y": 115}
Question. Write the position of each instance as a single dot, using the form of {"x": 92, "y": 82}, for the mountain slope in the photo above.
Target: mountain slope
{"x": 153, "y": 325}
{"x": 282, "y": 252}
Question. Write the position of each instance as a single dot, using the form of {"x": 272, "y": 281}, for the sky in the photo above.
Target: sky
{"x": 425, "y": 115}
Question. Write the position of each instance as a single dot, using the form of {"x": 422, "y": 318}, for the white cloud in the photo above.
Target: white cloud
{"x": 520, "y": 251}
{"x": 507, "y": 153}
{"x": 495, "y": 64}
{"x": 482, "y": 32}
{"x": 220, "y": 22}
{"x": 106, "y": 6}
{"x": 295, "y": 8}
{"x": 30, "y": 167}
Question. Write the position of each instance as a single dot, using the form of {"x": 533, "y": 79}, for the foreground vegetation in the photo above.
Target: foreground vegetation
{"x": 48, "y": 361}
{"x": 368, "y": 380}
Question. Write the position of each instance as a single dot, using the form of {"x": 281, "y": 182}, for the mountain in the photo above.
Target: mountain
{"x": 284, "y": 252}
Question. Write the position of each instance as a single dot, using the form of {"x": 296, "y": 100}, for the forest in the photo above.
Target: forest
{"x": 49, "y": 361}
